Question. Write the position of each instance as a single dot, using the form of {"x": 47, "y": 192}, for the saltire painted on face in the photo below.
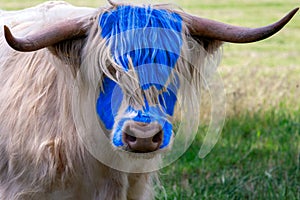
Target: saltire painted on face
{"x": 149, "y": 39}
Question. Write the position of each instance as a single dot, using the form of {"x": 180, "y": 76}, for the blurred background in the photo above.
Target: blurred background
{"x": 257, "y": 155}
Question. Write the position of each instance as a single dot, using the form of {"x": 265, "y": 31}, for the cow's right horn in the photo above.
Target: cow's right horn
{"x": 51, "y": 35}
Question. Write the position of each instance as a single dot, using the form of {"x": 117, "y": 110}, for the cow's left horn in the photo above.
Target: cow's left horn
{"x": 200, "y": 27}
{"x": 51, "y": 35}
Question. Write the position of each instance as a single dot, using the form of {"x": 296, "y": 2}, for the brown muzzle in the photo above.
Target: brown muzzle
{"x": 142, "y": 137}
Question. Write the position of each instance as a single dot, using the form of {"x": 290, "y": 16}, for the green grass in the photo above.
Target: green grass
{"x": 257, "y": 155}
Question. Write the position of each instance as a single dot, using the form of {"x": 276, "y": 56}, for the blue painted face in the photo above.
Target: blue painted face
{"x": 150, "y": 41}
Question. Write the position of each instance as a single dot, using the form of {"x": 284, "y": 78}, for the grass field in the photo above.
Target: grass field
{"x": 257, "y": 156}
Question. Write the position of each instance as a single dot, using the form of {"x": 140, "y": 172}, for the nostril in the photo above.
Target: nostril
{"x": 157, "y": 138}
{"x": 129, "y": 138}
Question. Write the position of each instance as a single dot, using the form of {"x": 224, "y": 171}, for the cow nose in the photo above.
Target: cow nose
{"x": 142, "y": 137}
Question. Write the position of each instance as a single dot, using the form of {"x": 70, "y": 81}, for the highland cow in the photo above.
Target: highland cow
{"x": 88, "y": 96}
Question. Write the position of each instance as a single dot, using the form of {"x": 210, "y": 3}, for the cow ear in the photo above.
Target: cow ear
{"x": 69, "y": 51}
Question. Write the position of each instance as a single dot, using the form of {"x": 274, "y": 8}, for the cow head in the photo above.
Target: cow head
{"x": 144, "y": 44}
{"x": 141, "y": 58}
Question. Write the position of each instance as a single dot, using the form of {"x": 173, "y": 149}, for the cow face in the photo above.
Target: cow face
{"x": 136, "y": 102}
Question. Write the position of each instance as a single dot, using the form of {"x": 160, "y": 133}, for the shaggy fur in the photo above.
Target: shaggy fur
{"x": 43, "y": 154}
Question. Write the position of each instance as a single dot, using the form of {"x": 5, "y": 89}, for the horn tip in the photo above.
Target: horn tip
{"x": 294, "y": 11}
{"x": 6, "y": 31}
{"x": 13, "y": 42}
{"x": 8, "y": 36}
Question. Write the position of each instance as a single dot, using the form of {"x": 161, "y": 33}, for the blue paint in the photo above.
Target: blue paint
{"x": 168, "y": 101}
{"x": 126, "y": 18}
{"x": 157, "y": 40}
{"x": 167, "y": 129}
{"x": 108, "y": 102}
{"x": 152, "y": 39}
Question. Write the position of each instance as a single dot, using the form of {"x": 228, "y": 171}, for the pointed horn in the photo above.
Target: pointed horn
{"x": 51, "y": 35}
{"x": 200, "y": 27}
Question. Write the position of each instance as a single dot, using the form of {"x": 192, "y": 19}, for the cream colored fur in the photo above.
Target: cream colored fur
{"x": 41, "y": 154}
